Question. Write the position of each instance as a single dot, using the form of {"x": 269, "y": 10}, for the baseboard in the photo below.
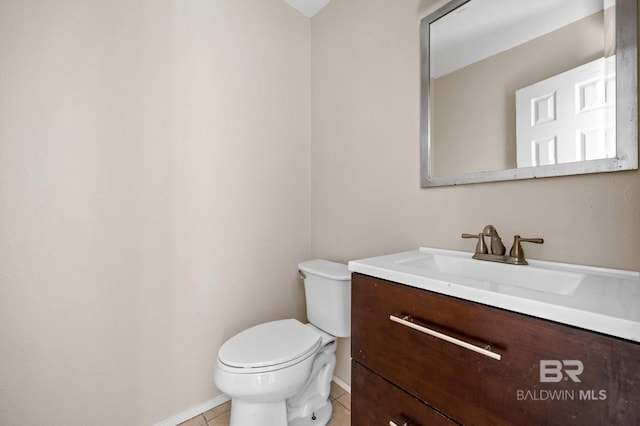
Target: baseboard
{"x": 194, "y": 411}
{"x": 342, "y": 384}
{"x": 219, "y": 400}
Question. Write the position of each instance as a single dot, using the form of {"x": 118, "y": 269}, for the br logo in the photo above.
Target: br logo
{"x": 553, "y": 370}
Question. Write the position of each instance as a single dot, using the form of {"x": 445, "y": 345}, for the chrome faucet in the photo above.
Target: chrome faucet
{"x": 495, "y": 252}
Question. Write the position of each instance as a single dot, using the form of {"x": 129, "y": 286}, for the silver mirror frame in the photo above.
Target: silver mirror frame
{"x": 626, "y": 110}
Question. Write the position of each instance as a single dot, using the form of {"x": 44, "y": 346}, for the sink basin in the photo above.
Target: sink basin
{"x": 594, "y": 298}
{"x": 494, "y": 275}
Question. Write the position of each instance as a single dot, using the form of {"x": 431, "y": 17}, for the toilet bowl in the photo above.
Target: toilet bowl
{"x": 279, "y": 373}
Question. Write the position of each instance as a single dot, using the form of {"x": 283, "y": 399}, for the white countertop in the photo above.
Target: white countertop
{"x": 605, "y": 301}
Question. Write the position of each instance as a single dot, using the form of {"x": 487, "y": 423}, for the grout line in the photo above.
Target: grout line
{"x": 342, "y": 384}
{"x": 345, "y": 407}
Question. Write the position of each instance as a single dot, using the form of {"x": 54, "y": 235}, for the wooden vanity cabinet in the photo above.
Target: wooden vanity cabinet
{"x": 548, "y": 373}
{"x": 379, "y": 402}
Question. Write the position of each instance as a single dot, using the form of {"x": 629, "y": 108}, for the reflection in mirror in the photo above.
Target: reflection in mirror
{"x": 519, "y": 89}
{"x": 568, "y": 117}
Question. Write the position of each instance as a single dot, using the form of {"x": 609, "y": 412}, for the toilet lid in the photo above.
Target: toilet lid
{"x": 269, "y": 344}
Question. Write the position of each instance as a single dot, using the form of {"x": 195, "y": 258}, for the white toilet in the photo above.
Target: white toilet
{"x": 279, "y": 373}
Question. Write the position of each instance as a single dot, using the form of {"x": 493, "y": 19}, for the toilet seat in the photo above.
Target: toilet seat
{"x": 269, "y": 346}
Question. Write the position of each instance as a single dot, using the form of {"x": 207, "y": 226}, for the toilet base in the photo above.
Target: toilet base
{"x": 258, "y": 414}
{"x": 275, "y": 414}
{"x": 319, "y": 418}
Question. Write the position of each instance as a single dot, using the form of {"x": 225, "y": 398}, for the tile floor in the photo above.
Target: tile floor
{"x": 219, "y": 416}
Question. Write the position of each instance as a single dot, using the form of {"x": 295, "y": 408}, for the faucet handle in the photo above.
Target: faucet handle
{"x": 516, "y": 249}
{"x": 481, "y": 247}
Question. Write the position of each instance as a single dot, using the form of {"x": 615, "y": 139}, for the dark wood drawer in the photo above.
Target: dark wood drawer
{"x": 474, "y": 389}
{"x": 375, "y": 401}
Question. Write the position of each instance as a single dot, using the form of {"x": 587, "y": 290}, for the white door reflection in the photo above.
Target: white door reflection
{"x": 568, "y": 117}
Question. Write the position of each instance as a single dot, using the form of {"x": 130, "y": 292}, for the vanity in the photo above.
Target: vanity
{"x": 439, "y": 338}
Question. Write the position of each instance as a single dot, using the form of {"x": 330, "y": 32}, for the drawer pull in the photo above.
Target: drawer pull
{"x": 392, "y": 423}
{"x": 404, "y": 321}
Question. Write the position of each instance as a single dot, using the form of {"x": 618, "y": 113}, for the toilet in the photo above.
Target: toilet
{"x": 279, "y": 373}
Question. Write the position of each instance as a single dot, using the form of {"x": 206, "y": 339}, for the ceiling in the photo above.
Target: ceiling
{"x": 482, "y": 28}
{"x": 307, "y": 7}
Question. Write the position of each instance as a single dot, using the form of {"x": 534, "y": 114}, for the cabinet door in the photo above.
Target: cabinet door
{"x": 375, "y": 401}
{"x": 548, "y": 373}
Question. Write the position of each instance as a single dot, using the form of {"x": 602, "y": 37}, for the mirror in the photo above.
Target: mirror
{"x": 520, "y": 89}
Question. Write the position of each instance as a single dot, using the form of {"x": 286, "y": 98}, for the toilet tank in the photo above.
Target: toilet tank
{"x": 327, "y": 287}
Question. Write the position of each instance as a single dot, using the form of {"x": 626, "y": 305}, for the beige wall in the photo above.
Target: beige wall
{"x": 154, "y": 193}
{"x": 366, "y": 196}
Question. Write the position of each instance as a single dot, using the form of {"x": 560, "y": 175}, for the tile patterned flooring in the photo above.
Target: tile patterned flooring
{"x": 219, "y": 416}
